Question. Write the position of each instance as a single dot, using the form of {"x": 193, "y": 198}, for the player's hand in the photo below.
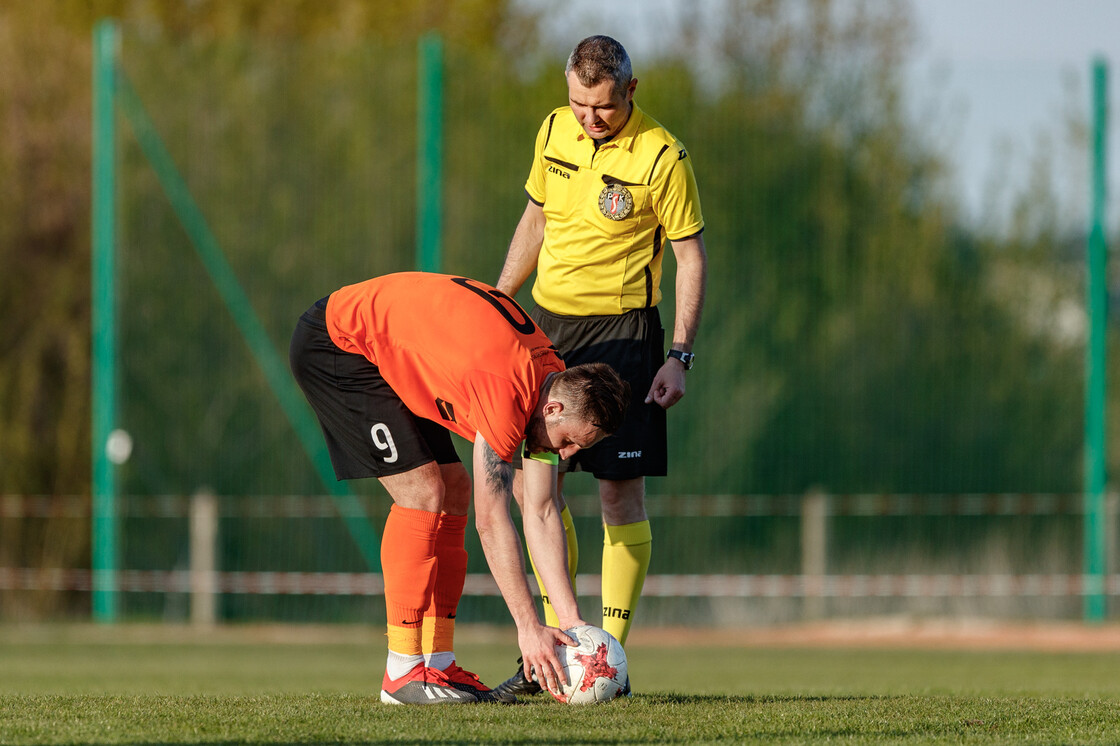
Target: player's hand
{"x": 668, "y": 384}
{"x": 573, "y": 622}
{"x": 538, "y": 655}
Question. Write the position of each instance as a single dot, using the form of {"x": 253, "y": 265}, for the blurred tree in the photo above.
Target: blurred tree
{"x": 477, "y": 23}
{"x": 856, "y": 337}
{"x": 44, "y": 252}
{"x": 44, "y": 195}
{"x": 859, "y": 336}
{"x": 44, "y": 206}
{"x": 44, "y": 284}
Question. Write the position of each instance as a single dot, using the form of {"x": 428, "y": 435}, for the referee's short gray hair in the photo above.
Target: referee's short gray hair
{"x": 598, "y": 58}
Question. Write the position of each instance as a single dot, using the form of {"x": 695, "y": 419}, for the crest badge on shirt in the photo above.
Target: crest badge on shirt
{"x": 615, "y": 201}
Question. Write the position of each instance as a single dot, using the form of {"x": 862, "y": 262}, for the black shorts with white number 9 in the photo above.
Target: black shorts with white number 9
{"x": 368, "y": 429}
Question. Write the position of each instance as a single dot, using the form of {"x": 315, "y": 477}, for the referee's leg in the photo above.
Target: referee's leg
{"x": 627, "y": 545}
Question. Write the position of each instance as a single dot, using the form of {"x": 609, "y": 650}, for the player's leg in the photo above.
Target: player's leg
{"x": 438, "y": 640}
{"x": 409, "y": 564}
{"x": 627, "y": 544}
{"x": 370, "y": 433}
{"x": 451, "y": 554}
{"x": 451, "y": 571}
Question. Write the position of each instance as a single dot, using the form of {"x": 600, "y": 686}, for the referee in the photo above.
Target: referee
{"x": 607, "y": 187}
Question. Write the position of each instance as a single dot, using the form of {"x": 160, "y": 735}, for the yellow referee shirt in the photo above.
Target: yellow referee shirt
{"x": 608, "y": 213}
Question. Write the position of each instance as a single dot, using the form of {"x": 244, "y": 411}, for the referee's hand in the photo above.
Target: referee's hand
{"x": 668, "y": 384}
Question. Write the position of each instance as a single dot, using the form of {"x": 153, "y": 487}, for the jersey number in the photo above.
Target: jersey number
{"x": 496, "y": 298}
{"x": 383, "y": 439}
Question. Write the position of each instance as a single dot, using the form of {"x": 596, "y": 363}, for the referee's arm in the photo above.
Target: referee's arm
{"x": 524, "y": 250}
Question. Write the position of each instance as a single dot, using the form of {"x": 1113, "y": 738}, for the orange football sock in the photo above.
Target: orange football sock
{"x": 408, "y": 564}
{"x": 451, "y": 573}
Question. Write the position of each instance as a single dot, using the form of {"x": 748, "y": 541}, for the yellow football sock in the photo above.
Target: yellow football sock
{"x": 550, "y": 617}
{"x": 626, "y": 552}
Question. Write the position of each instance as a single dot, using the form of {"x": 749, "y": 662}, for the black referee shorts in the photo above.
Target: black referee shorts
{"x": 368, "y": 429}
{"x": 633, "y": 344}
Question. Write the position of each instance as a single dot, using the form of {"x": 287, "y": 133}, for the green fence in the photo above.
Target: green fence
{"x": 857, "y": 342}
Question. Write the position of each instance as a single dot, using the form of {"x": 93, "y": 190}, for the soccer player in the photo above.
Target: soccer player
{"x": 608, "y": 185}
{"x": 391, "y": 367}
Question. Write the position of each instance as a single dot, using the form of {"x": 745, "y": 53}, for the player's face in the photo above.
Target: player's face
{"x": 561, "y": 434}
{"x": 600, "y": 110}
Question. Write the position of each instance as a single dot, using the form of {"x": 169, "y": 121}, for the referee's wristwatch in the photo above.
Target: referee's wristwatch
{"x": 686, "y": 358}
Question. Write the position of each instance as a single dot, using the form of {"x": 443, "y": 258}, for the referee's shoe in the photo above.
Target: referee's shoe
{"x": 516, "y": 685}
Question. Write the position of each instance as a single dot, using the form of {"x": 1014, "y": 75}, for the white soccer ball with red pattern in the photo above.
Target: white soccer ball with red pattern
{"x": 596, "y": 668}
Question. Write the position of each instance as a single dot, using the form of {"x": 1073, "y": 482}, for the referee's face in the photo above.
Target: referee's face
{"x": 600, "y": 110}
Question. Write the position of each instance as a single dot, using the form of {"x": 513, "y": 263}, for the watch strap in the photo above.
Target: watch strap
{"x": 687, "y": 358}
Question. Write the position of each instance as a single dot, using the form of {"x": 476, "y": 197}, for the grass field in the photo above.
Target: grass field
{"x": 140, "y": 684}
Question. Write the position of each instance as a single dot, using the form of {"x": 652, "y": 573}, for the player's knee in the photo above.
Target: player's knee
{"x": 622, "y": 501}
{"x": 456, "y": 489}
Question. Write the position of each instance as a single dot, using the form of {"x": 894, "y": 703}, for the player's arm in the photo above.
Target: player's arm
{"x": 692, "y": 282}
{"x": 548, "y": 543}
{"x": 524, "y": 249}
{"x": 493, "y": 486}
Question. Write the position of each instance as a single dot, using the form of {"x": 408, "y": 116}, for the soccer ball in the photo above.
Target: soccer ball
{"x": 596, "y": 669}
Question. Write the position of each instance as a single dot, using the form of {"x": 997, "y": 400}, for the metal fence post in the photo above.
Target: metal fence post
{"x": 204, "y": 559}
{"x": 103, "y": 352}
{"x": 429, "y": 155}
{"x": 814, "y": 551}
{"x": 1096, "y": 302}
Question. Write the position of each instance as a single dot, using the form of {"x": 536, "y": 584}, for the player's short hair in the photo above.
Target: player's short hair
{"x": 595, "y": 394}
{"x": 599, "y": 58}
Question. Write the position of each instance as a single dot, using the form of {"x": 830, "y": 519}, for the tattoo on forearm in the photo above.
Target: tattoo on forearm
{"x": 499, "y": 474}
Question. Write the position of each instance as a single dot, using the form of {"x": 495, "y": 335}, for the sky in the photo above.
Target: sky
{"x": 1008, "y": 72}
{"x": 998, "y": 77}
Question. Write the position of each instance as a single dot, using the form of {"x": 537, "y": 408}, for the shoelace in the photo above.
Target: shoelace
{"x": 436, "y": 676}
{"x": 418, "y": 673}
{"x": 455, "y": 672}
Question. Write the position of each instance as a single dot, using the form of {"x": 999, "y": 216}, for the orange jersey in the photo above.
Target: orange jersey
{"x": 456, "y": 351}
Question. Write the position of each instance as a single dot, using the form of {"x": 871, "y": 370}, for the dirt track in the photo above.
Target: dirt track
{"x": 892, "y": 633}
{"x": 874, "y": 633}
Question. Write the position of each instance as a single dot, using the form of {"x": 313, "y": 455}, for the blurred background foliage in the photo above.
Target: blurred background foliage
{"x": 858, "y": 336}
